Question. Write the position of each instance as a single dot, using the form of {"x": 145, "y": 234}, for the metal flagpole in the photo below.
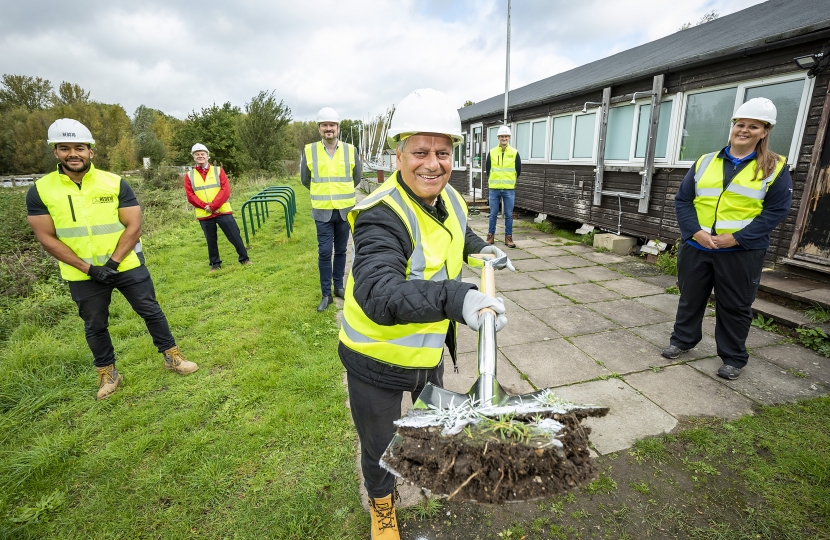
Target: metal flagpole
{"x": 507, "y": 73}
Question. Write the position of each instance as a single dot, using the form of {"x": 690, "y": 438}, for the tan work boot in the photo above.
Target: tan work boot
{"x": 384, "y": 521}
{"x": 508, "y": 241}
{"x": 108, "y": 381}
{"x": 490, "y": 238}
{"x": 174, "y": 361}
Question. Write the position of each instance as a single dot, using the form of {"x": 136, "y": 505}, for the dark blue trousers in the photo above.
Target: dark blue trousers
{"x": 332, "y": 235}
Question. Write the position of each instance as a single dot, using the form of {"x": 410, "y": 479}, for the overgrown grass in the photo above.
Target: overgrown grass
{"x": 550, "y": 228}
{"x": 256, "y": 444}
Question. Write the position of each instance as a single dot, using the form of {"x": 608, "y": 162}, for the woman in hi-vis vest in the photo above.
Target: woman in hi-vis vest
{"x": 727, "y": 206}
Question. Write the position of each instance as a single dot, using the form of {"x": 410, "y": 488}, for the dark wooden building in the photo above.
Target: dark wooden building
{"x": 608, "y": 143}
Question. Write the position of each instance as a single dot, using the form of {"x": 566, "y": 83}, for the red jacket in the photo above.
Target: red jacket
{"x": 220, "y": 199}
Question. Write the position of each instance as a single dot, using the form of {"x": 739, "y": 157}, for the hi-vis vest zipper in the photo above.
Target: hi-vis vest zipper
{"x": 332, "y": 187}
{"x": 207, "y": 189}
{"x": 736, "y": 206}
{"x": 437, "y": 255}
{"x": 502, "y": 168}
{"x": 86, "y": 219}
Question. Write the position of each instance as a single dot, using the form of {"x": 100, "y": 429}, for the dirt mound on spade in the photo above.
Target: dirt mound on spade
{"x": 497, "y": 461}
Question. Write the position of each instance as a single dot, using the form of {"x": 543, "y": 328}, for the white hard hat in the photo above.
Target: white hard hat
{"x": 67, "y": 130}
{"x": 327, "y": 114}
{"x": 504, "y": 130}
{"x": 425, "y": 111}
{"x": 759, "y": 108}
{"x": 197, "y": 147}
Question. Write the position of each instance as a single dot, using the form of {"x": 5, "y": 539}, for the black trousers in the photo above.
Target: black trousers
{"x": 373, "y": 411}
{"x": 231, "y": 230}
{"x": 735, "y": 276}
{"x": 94, "y": 299}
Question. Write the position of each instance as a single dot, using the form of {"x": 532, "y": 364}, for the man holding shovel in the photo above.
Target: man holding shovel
{"x": 404, "y": 294}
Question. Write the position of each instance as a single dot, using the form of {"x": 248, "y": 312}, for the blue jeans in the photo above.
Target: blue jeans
{"x": 508, "y": 197}
{"x": 332, "y": 235}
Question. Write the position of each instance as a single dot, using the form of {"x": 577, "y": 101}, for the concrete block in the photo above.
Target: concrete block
{"x": 621, "y": 245}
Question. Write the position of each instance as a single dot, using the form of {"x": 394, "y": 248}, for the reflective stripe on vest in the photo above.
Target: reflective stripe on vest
{"x": 736, "y": 206}
{"x": 208, "y": 191}
{"x": 86, "y": 219}
{"x": 332, "y": 186}
{"x": 437, "y": 255}
{"x": 502, "y": 168}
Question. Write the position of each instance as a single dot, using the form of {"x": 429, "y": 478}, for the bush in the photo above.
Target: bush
{"x": 20, "y": 271}
{"x": 17, "y": 235}
{"x": 667, "y": 261}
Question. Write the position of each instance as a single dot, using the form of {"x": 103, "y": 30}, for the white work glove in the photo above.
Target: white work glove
{"x": 493, "y": 250}
{"x": 474, "y": 302}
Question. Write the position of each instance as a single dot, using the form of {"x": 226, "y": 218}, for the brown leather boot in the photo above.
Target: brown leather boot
{"x": 491, "y": 238}
{"x": 384, "y": 521}
{"x": 508, "y": 241}
{"x": 108, "y": 381}
{"x": 174, "y": 361}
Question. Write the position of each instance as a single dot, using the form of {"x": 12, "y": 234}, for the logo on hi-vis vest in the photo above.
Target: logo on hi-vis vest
{"x": 105, "y": 199}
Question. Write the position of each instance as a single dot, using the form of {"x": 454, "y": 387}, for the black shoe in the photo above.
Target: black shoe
{"x": 729, "y": 372}
{"x": 340, "y": 293}
{"x": 671, "y": 352}
{"x": 324, "y": 303}
{"x": 215, "y": 268}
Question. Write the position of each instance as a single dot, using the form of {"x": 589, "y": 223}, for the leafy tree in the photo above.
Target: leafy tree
{"x": 707, "y": 17}
{"x": 262, "y": 131}
{"x": 31, "y": 93}
{"x": 301, "y": 134}
{"x": 70, "y": 94}
{"x": 146, "y": 142}
{"x": 350, "y": 131}
{"x": 216, "y": 128}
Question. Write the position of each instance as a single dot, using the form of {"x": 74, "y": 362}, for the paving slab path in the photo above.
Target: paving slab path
{"x": 591, "y": 326}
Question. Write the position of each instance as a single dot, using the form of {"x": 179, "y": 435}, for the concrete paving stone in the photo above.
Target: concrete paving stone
{"x": 667, "y": 303}
{"x": 529, "y": 243}
{"x": 633, "y": 287}
{"x": 524, "y": 327}
{"x": 585, "y": 293}
{"x": 547, "y": 251}
{"x": 814, "y": 296}
{"x": 537, "y": 299}
{"x": 756, "y": 338}
{"x": 570, "y": 261}
{"x": 633, "y": 267}
{"x": 475, "y": 280}
{"x": 461, "y": 382}
{"x": 469, "y": 272}
{"x": 786, "y": 282}
{"x": 684, "y": 391}
{"x": 553, "y": 240}
{"x": 664, "y": 281}
{"x": 630, "y": 313}
{"x": 579, "y": 249}
{"x": 764, "y": 382}
{"x": 557, "y": 277}
{"x": 467, "y": 340}
{"x": 596, "y": 273}
{"x": 517, "y": 254}
{"x": 574, "y": 320}
{"x": 532, "y": 265}
{"x": 631, "y": 416}
{"x": 601, "y": 257}
{"x": 515, "y": 281}
{"x": 796, "y": 357}
{"x": 659, "y": 334}
{"x": 621, "y": 351}
{"x": 782, "y": 314}
{"x": 553, "y": 363}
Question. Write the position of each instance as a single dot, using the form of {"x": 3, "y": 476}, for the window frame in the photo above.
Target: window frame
{"x": 740, "y": 90}
{"x": 572, "y": 160}
{"x": 632, "y": 160}
{"x": 462, "y": 151}
{"x": 514, "y": 128}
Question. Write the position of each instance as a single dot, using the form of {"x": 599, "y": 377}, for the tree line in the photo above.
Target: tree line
{"x": 259, "y": 136}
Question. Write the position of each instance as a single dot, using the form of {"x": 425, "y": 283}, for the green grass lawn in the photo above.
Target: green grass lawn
{"x": 256, "y": 444}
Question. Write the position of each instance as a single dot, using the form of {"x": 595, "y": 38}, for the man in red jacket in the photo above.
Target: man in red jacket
{"x": 208, "y": 190}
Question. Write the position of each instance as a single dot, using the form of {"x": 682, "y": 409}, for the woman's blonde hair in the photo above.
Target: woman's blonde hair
{"x": 765, "y": 159}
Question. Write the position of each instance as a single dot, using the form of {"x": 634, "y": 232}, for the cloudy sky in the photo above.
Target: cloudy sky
{"x": 358, "y": 56}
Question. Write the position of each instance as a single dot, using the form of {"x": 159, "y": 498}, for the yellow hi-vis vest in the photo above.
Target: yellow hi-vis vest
{"x": 502, "y": 168}
{"x": 722, "y": 211}
{"x": 332, "y": 187}
{"x": 86, "y": 219}
{"x": 437, "y": 255}
{"x": 207, "y": 188}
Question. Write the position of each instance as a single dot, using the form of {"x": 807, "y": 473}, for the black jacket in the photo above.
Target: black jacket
{"x": 382, "y": 249}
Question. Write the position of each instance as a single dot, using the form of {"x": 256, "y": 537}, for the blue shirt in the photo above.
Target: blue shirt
{"x": 777, "y": 204}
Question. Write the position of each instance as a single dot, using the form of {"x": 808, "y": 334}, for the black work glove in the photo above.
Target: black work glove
{"x": 112, "y": 264}
{"x": 102, "y": 274}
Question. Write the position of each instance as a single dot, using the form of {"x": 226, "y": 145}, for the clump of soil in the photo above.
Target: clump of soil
{"x": 493, "y": 461}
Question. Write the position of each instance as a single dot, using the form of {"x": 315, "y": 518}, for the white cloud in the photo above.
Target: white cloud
{"x": 359, "y": 57}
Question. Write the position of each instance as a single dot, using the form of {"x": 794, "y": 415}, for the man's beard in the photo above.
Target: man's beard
{"x": 82, "y": 168}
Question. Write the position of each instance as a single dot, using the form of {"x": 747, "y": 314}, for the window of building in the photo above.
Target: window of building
{"x": 531, "y": 138}
{"x": 619, "y": 133}
{"x": 560, "y": 138}
{"x": 459, "y": 154}
{"x": 706, "y": 124}
{"x": 492, "y": 137}
{"x": 583, "y": 138}
{"x": 662, "y": 130}
{"x": 787, "y": 99}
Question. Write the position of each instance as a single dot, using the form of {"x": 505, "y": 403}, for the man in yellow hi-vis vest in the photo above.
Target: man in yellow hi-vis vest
{"x": 502, "y": 168}
{"x": 330, "y": 169}
{"x": 208, "y": 190}
{"x": 90, "y": 221}
{"x": 404, "y": 295}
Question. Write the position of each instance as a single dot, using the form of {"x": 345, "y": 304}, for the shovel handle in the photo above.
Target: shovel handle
{"x": 488, "y": 285}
